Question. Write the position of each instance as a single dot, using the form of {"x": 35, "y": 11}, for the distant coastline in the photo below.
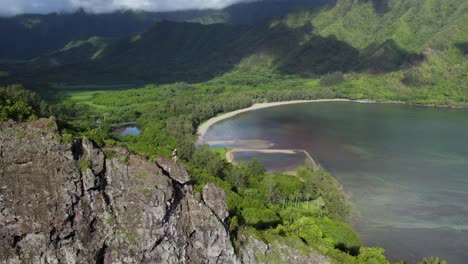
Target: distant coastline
{"x": 203, "y": 128}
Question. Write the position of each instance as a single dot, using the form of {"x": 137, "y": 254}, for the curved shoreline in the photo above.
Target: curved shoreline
{"x": 203, "y": 128}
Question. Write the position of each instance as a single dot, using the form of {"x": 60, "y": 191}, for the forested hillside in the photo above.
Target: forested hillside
{"x": 398, "y": 50}
{"x": 53, "y": 31}
{"x": 257, "y": 11}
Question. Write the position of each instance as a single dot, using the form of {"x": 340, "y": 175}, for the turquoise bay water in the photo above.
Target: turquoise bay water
{"x": 404, "y": 167}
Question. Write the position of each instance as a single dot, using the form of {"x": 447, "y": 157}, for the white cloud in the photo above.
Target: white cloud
{"x": 13, "y": 7}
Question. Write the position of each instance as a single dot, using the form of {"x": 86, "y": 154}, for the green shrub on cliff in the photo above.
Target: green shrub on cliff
{"x": 331, "y": 238}
{"x": 19, "y": 104}
{"x": 260, "y": 218}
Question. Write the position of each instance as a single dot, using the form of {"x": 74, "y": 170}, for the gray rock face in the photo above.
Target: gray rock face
{"x": 208, "y": 241}
{"x": 215, "y": 198}
{"x": 94, "y": 156}
{"x": 67, "y": 203}
{"x": 175, "y": 170}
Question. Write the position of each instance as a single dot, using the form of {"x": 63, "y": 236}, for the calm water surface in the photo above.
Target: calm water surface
{"x": 123, "y": 131}
{"x": 405, "y": 168}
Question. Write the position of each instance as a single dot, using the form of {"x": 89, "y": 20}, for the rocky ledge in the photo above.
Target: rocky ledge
{"x": 71, "y": 203}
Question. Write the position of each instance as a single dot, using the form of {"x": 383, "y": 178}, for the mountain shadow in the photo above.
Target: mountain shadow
{"x": 53, "y": 31}
{"x": 191, "y": 52}
{"x": 302, "y": 52}
{"x": 387, "y": 57}
{"x": 168, "y": 52}
{"x": 380, "y": 6}
{"x": 28, "y": 36}
{"x": 462, "y": 46}
{"x": 253, "y": 12}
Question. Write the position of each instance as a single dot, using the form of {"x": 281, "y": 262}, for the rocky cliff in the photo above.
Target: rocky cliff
{"x": 71, "y": 203}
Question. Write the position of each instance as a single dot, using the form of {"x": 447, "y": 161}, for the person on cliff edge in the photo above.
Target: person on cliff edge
{"x": 174, "y": 155}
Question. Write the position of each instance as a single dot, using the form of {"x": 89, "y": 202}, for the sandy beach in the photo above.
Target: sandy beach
{"x": 249, "y": 143}
{"x": 205, "y": 126}
{"x": 230, "y": 153}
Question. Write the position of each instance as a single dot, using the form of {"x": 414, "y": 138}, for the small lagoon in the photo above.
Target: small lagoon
{"x": 123, "y": 131}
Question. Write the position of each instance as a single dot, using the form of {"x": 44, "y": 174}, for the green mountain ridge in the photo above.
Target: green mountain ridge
{"x": 305, "y": 42}
{"x": 257, "y": 11}
{"x": 391, "y": 50}
{"x": 52, "y": 31}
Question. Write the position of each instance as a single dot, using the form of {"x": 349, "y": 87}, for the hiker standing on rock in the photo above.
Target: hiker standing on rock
{"x": 174, "y": 155}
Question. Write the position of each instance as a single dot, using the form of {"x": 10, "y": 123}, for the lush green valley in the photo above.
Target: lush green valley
{"x": 176, "y": 75}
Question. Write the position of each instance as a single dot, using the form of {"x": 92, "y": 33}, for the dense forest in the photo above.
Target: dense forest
{"x": 172, "y": 76}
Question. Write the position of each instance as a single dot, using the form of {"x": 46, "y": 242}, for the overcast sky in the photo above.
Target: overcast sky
{"x": 14, "y": 7}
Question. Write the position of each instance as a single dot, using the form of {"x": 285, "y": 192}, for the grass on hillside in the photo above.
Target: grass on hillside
{"x": 86, "y": 97}
{"x": 222, "y": 152}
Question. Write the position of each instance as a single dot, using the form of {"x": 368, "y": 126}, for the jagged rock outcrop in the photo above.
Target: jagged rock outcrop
{"x": 176, "y": 170}
{"x": 75, "y": 203}
{"x": 70, "y": 203}
{"x": 215, "y": 198}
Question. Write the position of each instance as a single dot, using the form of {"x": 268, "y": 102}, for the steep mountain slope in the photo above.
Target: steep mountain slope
{"x": 252, "y": 12}
{"x": 52, "y": 32}
{"x": 173, "y": 51}
{"x": 74, "y": 51}
{"x": 411, "y": 24}
{"x": 168, "y": 51}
